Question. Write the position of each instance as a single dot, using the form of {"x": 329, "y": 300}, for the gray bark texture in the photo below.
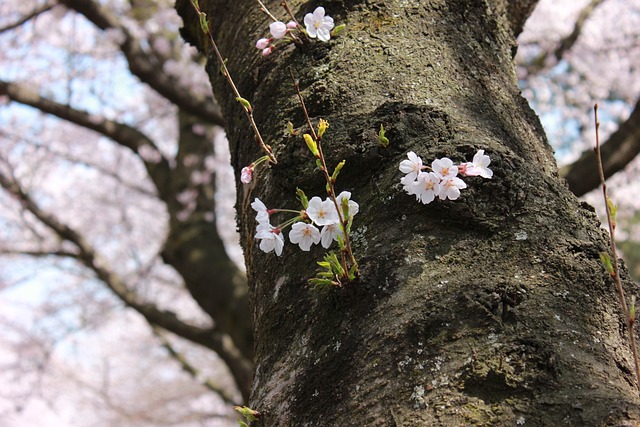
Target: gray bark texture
{"x": 492, "y": 309}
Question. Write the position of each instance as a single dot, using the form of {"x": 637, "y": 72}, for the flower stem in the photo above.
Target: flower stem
{"x": 330, "y": 187}
{"x": 247, "y": 108}
{"x": 616, "y": 272}
{"x": 265, "y": 10}
{"x": 288, "y": 9}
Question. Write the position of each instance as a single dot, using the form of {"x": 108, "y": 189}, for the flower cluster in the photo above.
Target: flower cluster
{"x": 304, "y": 226}
{"x": 441, "y": 180}
{"x": 278, "y": 31}
{"x": 317, "y": 25}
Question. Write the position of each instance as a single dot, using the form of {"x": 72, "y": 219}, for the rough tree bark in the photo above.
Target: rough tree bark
{"x": 492, "y": 309}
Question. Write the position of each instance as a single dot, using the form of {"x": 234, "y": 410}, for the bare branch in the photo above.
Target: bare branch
{"x": 567, "y": 43}
{"x": 123, "y": 134}
{"x": 61, "y": 253}
{"x": 219, "y": 342}
{"x": 145, "y": 67}
{"x": 36, "y": 12}
{"x": 621, "y": 147}
{"x": 190, "y": 369}
{"x": 74, "y": 159}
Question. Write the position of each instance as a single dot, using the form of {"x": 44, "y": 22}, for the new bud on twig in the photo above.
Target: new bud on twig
{"x": 313, "y": 147}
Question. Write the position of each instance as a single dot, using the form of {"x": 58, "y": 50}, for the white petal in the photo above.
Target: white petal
{"x": 323, "y": 34}
{"x": 279, "y": 244}
{"x": 326, "y": 236}
{"x": 258, "y": 206}
{"x": 406, "y": 166}
{"x": 278, "y": 29}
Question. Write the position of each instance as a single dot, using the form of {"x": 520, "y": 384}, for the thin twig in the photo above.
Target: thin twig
{"x": 225, "y": 71}
{"x": 189, "y": 368}
{"x": 616, "y": 271}
{"x": 35, "y": 13}
{"x": 288, "y": 9}
{"x": 332, "y": 194}
{"x": 265, "y": 10}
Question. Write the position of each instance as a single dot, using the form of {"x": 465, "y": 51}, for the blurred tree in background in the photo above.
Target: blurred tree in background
{"x": 123, "y": 297}
{"x": 109, "y": 217}
{"x": 570, "y": 56}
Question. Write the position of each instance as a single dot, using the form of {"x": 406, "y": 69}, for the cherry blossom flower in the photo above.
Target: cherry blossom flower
{"x": 292, "y": 25}
{"x": 267, "y": 51}
{"x": 442, "y": 182}
{"x": 304, "y": 235}
{"x": 262, "y": 213}
{"x": 411, "y": 167}
{"x": 426, "y": 187}
{"x": 319, "y": 25}
{"x": 322, "y": 213}
{"x": 278, "y": 29}
{"x": 444, "y": 168}
{"x": 479, "y": 166}
{"x": 263, "y": 43}
{"x": 246, "y": 175}
{"x": 271, "y": 239}
{"x": 354, "y": 208}
{"x": 450, "y": 188}
{"x": 329, "y": 233}
{"x": 406, "y": 182}
{"x": 407, "y": 186}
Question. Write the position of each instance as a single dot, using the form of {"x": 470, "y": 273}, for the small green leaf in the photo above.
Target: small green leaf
{"x": 353, "y": 271}
{"x": 349, "y": 224}
{"x": 613, "y": 211}
{"x": 320, "y": 283}
{"x": 248, "y": 413}
{"x": 322, "y": 127}
{"x": 203, "y": 23}
{"x": 338, "y": 29}
{"x": 606, "y": 261}
{"x": 319, "y": 164}
{"x": 303, "y": 198}
{"x": 337, "y": 170}
{"x": 246, "y": 104}
{"x": 311, "y": 144}
{"x": 384, "y": 141}
{"x": 324, "y": 275}
{"x": 290, "y": 129}
{"x": 224, "y": 64}
{"x": 242, "y": 423}
{"x": 336, "y": 267}
{"x": 344, "y": 205}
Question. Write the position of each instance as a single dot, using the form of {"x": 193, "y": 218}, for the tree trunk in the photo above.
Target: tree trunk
{"x": 492, "y": 309}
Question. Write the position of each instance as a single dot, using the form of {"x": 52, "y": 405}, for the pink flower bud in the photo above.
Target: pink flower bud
{"x": 267, "y": 51}
{"x": 247, "y": 174}
{"x": 262, "y": 43}
{"x": 291, "y": 25}
{"x": 278, "y": 29}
